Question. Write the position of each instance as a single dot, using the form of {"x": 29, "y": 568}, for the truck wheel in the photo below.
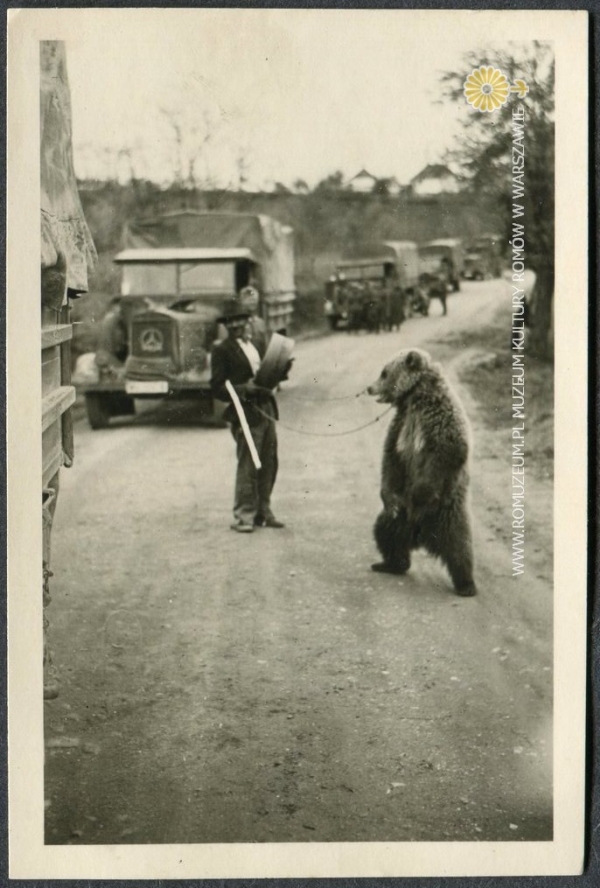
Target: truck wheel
{"x": 333, "y": 322}
{"x": 97, "y": 406}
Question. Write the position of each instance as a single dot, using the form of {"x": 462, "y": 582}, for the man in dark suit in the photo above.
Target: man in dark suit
{"x": 237, "y": 359}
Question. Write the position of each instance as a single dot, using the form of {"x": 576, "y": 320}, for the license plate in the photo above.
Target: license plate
{"x": 151, "y": 387}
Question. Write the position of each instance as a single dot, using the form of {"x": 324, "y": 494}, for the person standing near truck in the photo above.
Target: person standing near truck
{"x": 113, "y": 341}
{"x": 248, "y": 301}
{"x": 237, "y": 359}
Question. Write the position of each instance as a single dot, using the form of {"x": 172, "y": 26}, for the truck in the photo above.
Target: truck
{"x": 441, "y": 259}
{"x": 178, "y": 272}
{"x": 371, "y": 291}
{"x": 483, "y": 258}
{"x": 67, "y": 255}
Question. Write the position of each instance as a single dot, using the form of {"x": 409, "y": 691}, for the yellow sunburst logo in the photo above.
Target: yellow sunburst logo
{"x": 486, "y": 89}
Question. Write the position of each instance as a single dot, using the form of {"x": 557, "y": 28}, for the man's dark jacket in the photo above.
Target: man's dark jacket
{"x": 230, "y": 362}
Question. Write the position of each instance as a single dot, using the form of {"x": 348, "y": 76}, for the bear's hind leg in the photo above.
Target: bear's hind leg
{"x": 451, "y": 541}
{"x": 460, "y": 567}
{"x": 458, "y": 554}
{"x": 393, "y": 541}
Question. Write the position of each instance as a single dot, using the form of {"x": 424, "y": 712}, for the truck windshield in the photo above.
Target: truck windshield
{"x": 430, "y": 261}
{"x": 201, "y": 277}
{"x": 149, "y": 279}
{"x": 177, "y": 278}
{"x": 362, "y": 272}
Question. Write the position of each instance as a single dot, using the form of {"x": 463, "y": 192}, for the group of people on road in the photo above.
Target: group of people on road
{"x": 370, "y": 305}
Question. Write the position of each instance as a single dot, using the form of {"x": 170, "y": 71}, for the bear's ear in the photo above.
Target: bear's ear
{"x": 414, "y": 361}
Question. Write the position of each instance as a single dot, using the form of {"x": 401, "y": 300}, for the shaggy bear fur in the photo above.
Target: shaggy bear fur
{"x": 425, "y": 478}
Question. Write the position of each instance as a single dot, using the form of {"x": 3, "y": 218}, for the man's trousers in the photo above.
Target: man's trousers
{"x": 253, "y": 486}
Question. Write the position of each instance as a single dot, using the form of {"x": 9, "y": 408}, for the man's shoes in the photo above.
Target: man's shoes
{"x": 261, "y": 521}
{"x": 242, "y": 527}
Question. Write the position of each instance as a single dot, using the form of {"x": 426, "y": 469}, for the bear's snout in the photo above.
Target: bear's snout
{"x": 377, "y": 389}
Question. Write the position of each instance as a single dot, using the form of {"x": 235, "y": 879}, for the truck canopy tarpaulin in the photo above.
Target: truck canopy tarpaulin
{"x": 270, "y": 242}
{"x": 64, "y": 228}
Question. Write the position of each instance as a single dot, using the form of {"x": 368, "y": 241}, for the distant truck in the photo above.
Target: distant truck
{"x": 177, "y": 274}
{"x": 442, "y": 259}
{"x": 483, "y": 258}
{"x": 372, "y": 292}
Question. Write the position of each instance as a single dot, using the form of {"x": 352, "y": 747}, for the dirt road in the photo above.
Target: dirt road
{"x": 225, "y": 688}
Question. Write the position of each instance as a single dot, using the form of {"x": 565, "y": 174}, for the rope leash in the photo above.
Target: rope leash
{"x": 292, "y": 394}
{"x": 323, "y": 434}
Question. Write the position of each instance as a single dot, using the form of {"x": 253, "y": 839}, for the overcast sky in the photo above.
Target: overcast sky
{"x": 296, "y": 94}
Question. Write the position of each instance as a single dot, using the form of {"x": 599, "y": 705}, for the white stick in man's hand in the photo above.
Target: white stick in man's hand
{"x": 244, "y": 423}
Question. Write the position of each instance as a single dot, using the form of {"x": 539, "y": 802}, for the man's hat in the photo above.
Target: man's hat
{"x": 236, "y": 316}
{"x": 233, "y": 311}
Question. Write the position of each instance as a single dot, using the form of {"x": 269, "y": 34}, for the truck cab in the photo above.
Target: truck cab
{"x": 174, "y": 297}
{"x": 178, "y": 272}
{"x": 388, "y": 277}
{"x": 483, "y": 257}
{"x": 356, "y": 281}
{"x": 442, "y": 258}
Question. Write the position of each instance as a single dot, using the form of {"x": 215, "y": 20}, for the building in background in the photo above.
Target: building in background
{"x": 364, "y": 182}
{"x": 435, "y": 178}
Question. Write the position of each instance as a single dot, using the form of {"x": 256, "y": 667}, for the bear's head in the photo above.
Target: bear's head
{"x": 400, "y": 375}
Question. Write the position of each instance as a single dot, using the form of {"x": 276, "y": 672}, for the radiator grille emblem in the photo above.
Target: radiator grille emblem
{"x": 151, "y": 340}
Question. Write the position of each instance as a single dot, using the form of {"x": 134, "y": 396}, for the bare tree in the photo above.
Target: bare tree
{"x": 192, "y": 134}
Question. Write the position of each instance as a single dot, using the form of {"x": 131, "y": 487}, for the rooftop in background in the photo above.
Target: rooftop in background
{"x": 435, "y": 178}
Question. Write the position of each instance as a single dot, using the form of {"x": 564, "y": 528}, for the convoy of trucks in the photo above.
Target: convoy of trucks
{"x": 179, "y": 270}
{"x": 403, "y": 277}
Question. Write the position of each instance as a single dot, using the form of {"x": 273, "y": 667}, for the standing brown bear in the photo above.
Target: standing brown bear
{"x": 425, "y": 478}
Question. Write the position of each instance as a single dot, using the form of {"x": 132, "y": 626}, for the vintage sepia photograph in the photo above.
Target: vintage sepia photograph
{"x": 308, "y": 577}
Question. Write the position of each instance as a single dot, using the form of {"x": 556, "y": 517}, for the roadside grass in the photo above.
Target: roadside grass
{"x": 488, "y": 377}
